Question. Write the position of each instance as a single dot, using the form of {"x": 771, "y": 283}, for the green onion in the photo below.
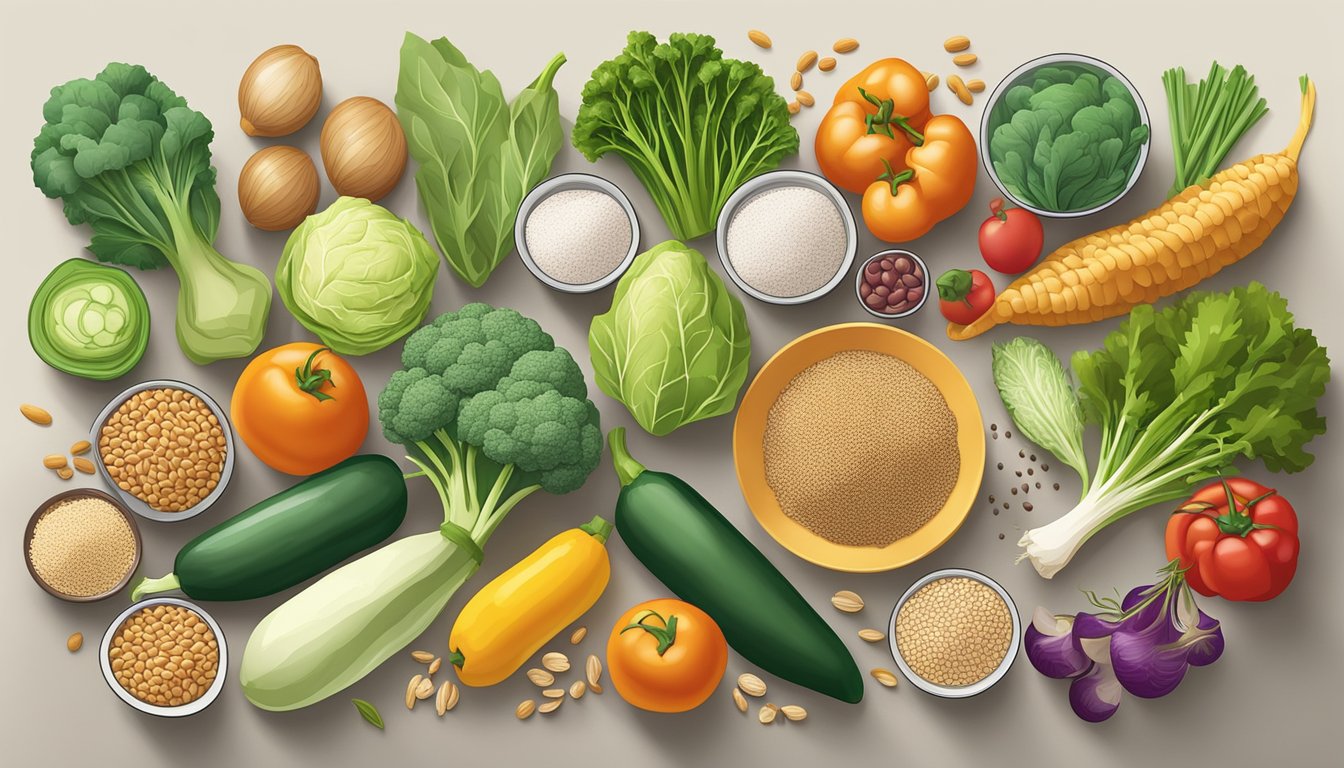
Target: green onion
{"x": 1208, "y": 118}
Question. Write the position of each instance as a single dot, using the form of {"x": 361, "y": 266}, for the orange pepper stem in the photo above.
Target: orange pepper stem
{"x": 310, "y": 378}
{"x": 883, "y": 121}
{"x": 666, "y": 635}
{"x": 895, "y": 178}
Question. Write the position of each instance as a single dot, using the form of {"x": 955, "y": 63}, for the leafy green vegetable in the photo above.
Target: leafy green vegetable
{"x": 89, "y": 320}
{"x": 491, "y": 412}
{"x": 1208, "y": 118}
{"x": 369, "y": 713}
{"x": 691, "y": 124}
{"x": 357, "y": 276}
{"x": 479, "y": 154}
{"x": 1179, "y": 395}
{"x": 1040, "y": 400}
{"x": 132, "y": 160}
{"x": 674, "y": 346}
{"x": 1066, "y": 138}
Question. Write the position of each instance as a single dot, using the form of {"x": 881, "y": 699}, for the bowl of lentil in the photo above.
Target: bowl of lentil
{"x": 786, "y": 237}
{"x": 166, "y": 448}
{"x": 576, "y": 232}
{"x": 859, "y": 447}
{"x": 82, "y": 545}
{"x": 164, "y": 657}
{"x": 954, "y": 633}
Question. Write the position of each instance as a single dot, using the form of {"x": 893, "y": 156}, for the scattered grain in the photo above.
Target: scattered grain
{"x": 884, "y": 676}
{"x": 1027, "y": 506}
{"x": 82, "y": 464}
{"x": 794, "y": 107}
{"x": 593, "y": 671}
{"x": 956, "y": 43}
{"x": 759, "y": 39}
{"x": 74, "y": 642}
{"x": 554, "y": 693}
{"x": 958, "y": 86}
{"x": 931, "y": 82}
{"x": 434, "y": 666}
{"x": 37, "y": 415}
{"x": 424, "y": 657}
{"x": 550, "y": 706}
{"x": 804, "y": 98}
{"x": 796, "y": 81}
{"x": 65, "y": 473}
{"x": 555, "y": 662}
{"x": 766, "y": 715}
{"x": 806, "y": 61}
{"x": 540, "y": 677}
{"x": 739, "y": 700}
{"x": 975, "y": 86}
{"x": 577, "y": 689}
{"x": 954, "y": 631}
{"x": 826, "y": 63}
{"x": 847, "y": 601}
{"x": 411, "y": 688}
{"x": 872, "y": 635}
{"x": 80, "y": 447}
{"x": 965, "y": 59}
{"x": 845, "y": 45}
{"x": 751, "y": 685}
{"x": 525, "y": 709}
{"x": 447, "y": 698}
{"x": 578, "y": 635}
{"x": 54, "y": 461}
{"x": 793, "y": 712}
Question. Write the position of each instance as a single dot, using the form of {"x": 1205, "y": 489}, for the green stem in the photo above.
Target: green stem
{"x": 666, "y": 635}
{"x": 148, "y": 586}
{"x": 311, "y": 379}
{"x": 457, "y": 659}
{"x": 627, "y": 469}
{"x": 597, "y": 528}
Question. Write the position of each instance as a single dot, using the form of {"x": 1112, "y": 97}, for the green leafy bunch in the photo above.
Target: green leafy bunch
{"x": 691, "y": 124}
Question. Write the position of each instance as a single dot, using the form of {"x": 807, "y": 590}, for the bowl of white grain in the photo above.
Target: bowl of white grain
{"x": 787, "y": 237}
{"x": 576, "y": 232}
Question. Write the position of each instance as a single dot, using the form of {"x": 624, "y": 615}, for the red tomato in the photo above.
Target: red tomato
{"x": 1010, "y": 240}
{"x": 1237, "y": 539}
{"x": 964, "y": 295}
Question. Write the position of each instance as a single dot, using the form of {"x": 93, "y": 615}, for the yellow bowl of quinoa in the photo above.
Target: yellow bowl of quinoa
{"x": 859, "y": 447}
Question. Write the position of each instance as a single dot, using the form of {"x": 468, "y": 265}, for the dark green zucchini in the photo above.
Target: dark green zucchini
{"x": 693, "y": 549}
{"x": 291, "y": 536}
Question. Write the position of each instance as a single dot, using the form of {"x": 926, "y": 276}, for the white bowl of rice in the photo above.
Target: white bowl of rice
{"x": 787, "y": 237}
{"x": 576, "y": 232}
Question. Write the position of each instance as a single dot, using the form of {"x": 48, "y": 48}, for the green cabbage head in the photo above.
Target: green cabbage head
{"x": 357, "y": 276}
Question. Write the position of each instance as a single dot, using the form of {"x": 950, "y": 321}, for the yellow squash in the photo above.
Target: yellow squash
{"x": 513, "y": 616}
{"x": 1204, "y": 228}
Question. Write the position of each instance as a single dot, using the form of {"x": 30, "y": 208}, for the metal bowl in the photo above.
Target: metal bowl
{"x": 964, "y": 691}
{"x": 775, "y": 180}
{"x": 79, "y": 493}
{"x": 858, "y": 283}
{"x": 190, "y": 708}
{"x": 137, "y": 505}
{"x": 1020, "y": 74}
{"x": 559, "y": 184}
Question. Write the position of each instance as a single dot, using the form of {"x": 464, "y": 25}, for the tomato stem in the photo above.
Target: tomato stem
{"x": 666, "y": 635}
{"x": 310, "y": 378}
{"x": 996, "y": 209}
{"x": 883, "y": 121}
{"x": 1238, "y": 522}
{"x": 895, "y": 178}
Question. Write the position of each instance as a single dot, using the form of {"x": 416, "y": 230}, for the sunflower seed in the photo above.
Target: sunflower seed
{"x": 555, "y": 662}
{"x": 554, "y": 693}
{"x": 847, "y": 601}
{"x": 425, "y": 689}
{"x": 540, "y": 677}
{"x": 751, "y": 685}
{"x": 739, "y": 700}
{"x": 871, "y": 635}
{"x": 766, "y": 715}
{"x": 550, "y": 706}
{"x": 39, "y": 416}
{"x": 578, "y": 636}
{"x": 525, "y": 710}
{"x": 845, "y": 45}
{"x": 884, "y": 676}
{"x": 411, "y": 688}
{"x": 759, "y": 38}
{"x": 435, "y": 665}
{"x": 424, "y": 657}
{"x": 447, "y": 698}
{"x": 577, "y": 689}
{"x": 793, "y": 712}
{"x": 593, "y": 669}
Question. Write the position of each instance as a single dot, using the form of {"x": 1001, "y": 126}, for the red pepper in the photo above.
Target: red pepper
{"x": 1236, "y": 539}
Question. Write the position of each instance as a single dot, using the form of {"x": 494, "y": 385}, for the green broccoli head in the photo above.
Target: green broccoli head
{"x": 491, "y": 378}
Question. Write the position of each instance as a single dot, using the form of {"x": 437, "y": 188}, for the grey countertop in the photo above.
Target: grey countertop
{"x": 1268, "y": 700}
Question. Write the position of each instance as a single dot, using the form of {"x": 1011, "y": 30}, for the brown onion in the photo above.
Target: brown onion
{"x": 278, "y": 188}
{"x": 363, "y": 148}
{"x": 280, "y": 92}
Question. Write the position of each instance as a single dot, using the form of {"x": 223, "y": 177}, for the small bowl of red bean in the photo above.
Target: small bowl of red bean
{"x": 892, "y": 284}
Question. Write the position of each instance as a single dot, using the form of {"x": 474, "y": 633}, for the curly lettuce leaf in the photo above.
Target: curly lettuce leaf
{"x": 1040, "y": 399}
{"x": 675, "y": 345}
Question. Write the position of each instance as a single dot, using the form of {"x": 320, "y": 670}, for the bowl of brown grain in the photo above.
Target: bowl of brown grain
{"x": 165, "y": 657}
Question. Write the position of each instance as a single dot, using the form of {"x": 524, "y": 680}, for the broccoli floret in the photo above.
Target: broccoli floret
{"x": 491, "y": 411}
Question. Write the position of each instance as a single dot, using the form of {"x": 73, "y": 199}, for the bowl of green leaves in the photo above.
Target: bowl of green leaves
{"x": 1065, "y": 135}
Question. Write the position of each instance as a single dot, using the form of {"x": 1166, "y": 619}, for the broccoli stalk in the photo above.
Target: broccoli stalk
{"x": 490, "y": 411}
{"x": 128, "y": 157}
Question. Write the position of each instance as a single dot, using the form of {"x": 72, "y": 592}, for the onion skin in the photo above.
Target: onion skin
{"x": 363, "y": 148}
{"x": 278, "y": 188}
{"x": 280, "y": 92}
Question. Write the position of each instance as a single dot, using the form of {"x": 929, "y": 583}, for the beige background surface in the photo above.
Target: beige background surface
{"x": 1268, "y": 701}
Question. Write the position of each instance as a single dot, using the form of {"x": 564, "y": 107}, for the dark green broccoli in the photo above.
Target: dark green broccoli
{"x": 491, "y": 411}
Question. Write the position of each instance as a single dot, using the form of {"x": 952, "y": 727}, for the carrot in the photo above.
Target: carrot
{"x": 1194, "y": 234}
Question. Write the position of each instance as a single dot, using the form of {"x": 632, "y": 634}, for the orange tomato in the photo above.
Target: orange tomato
{"x": 875, "y": 118}
{"x": 301, "y": 408}
{"x": 666, "y": 656}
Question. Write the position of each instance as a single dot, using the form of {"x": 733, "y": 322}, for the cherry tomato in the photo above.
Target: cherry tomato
{"x": 1236, "y": 539}
{"x": 301, "y": 408}
{"x": 1010, "y": 240}
{"x": 666, "y": 656}
{"x": 964, "y": 295}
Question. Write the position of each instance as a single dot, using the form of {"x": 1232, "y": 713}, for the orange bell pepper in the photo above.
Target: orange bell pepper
{"x": 874, "y": 122}
{"x": 933, "y": 180}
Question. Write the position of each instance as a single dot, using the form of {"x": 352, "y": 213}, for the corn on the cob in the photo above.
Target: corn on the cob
{"x": 1194, "y": 234}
